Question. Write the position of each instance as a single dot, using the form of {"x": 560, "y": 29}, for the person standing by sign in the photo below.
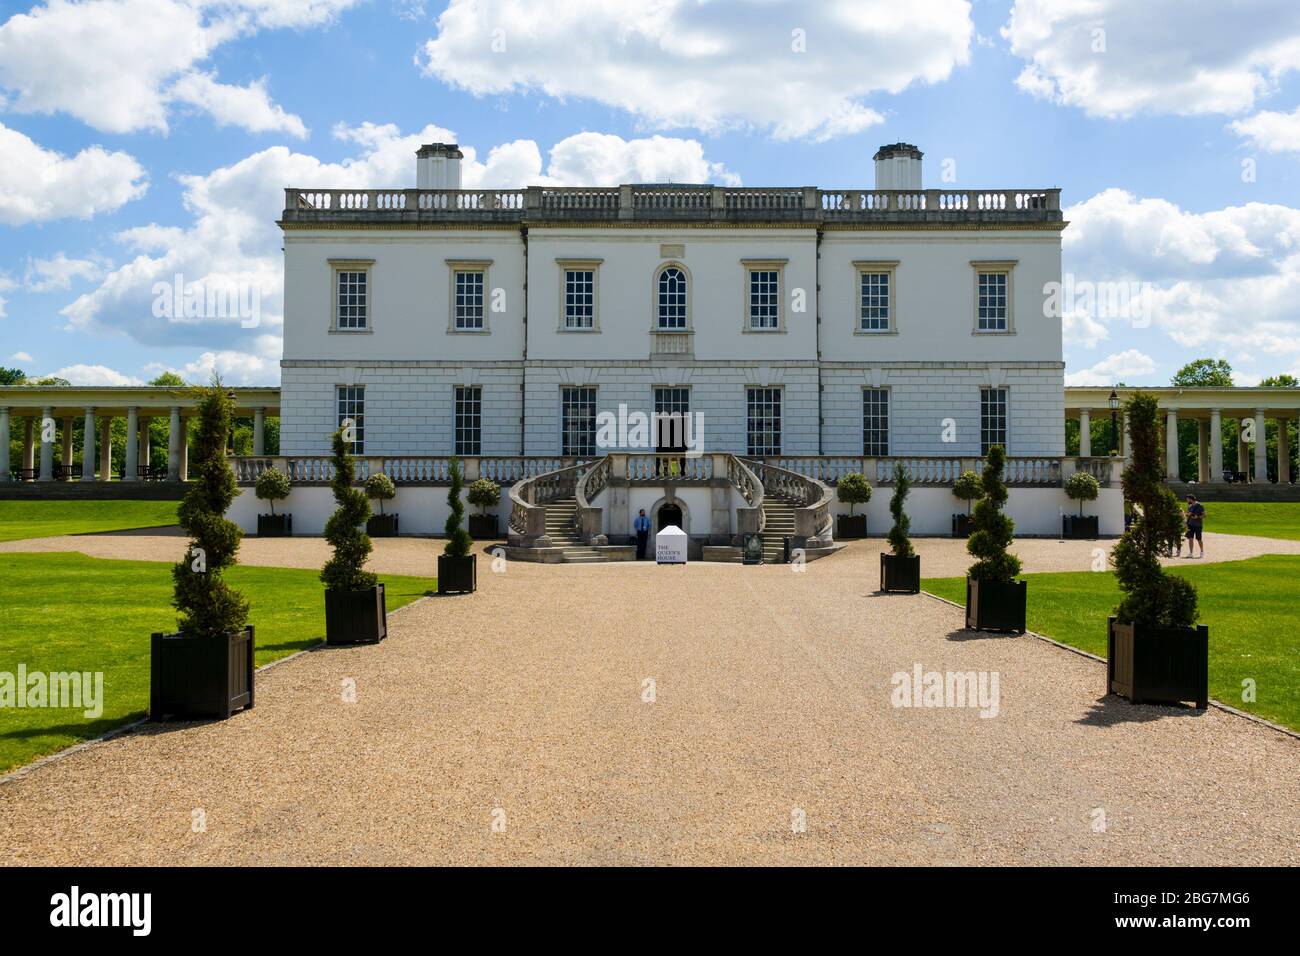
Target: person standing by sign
{"x": 1195, "y": 523}
{"x": 642, "y": 528}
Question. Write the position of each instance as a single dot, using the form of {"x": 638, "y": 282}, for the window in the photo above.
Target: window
{"x": 764, "y": 299}
{"x": 579, "y": 298}
{"x": 469, "y": 300}
{"x": 578, "y": 422}
{"x": 672, "y": 408}
{"x": 993, "y": 297}
{"x": 351, "y": 295}
{"x": 672, "y": 299}
{"x": 875, "y": 422}
{"x": 763, "y": 421}
{"x": 469, "y": 420}
{"x": 352, "y": 409}
{"x": 993, "y": 418}
{"x": 874, "y": 302}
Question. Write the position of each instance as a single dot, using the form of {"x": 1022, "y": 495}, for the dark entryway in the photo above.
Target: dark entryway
{"x": 669, "y": 515}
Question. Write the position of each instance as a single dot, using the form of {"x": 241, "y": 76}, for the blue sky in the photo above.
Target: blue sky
{"x": 165, "y": 150}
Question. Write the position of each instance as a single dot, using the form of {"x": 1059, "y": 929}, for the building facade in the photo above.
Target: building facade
{"x": 783, "y": 321}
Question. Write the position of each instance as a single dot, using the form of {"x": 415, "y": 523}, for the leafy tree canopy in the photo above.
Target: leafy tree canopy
{"x": 1204, "y": 372}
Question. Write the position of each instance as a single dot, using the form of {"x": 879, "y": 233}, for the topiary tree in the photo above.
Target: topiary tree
{"x": 968, "y": 487}
{"x": 991, "y": 528}
{"x": 853, "y": 489}
{"x": 345, "y": 571}
{"x": 272, "y": 486}
{"x": 458, "y": 540}
{"x": 899, "y": 542}
{"x": 1082, "y": 487}
{"x": 484, "y": 494}
{"x": 1151, "y": 597}
{"x": 381, "y": 488}
{"x": 206, "y": 606}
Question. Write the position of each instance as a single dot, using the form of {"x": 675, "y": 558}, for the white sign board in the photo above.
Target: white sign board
{"x": 670, "y": 546}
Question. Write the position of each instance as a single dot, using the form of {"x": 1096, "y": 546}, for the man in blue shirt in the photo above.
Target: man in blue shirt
{"x": 1195, "y": 522}
{"x": 642, "y": 527}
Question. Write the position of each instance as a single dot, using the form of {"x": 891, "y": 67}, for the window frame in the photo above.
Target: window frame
{"x": 565, "y": 451}
{"x": 579, "y": 265}
{"x": 863, "y": 268}
{"x": 779, "y": 404}
{"x": 458, "y": 266}
{"x": 1002, "y": 267}
{"x": 871, "y": 390}
{"x": 337, "y": 268}
{"x": 986, "y": 390}
{"x": 654, "y": 299}
{"x": 751, "y": 266}
{"x": 358, "y": 418}
{"x": 461, "y": 448}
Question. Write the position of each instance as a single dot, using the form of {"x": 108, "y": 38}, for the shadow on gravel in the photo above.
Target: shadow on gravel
{"x": 962, "y": 634}
{"x": 158, "y": 531}
{"x": 1110, "y": 711}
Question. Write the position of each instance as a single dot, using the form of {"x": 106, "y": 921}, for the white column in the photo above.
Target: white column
{"x": 1171, "y": 444}
{"x": 1216, "y": 445}
{"x": 66, "y": 453}
{"x": 129, "y": 470}
{"x": 1202, "y": 450}
{"x": 47, "y": 444}
{"x": 4, "y": 444}
{"x": 106, "y": 448}
{"x": 1125, "y": 448}
{"x": 1243, "y": 451}
{"x": 185, "y": 450}
{"x": 259, "y": 431}
{"x": 1261, "y": 447}
{"x": 1283, "y": 452}
{"x": 146, "y": 457}
{"x": 29, "y": 444}
{"x": 174, "y": 445}
{"x": 88, "y": 446}
{"x": 1085, "y": 433}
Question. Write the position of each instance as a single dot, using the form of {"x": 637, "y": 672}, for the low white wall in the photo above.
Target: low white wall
{"x": 422, "y": 510}
{"x": 1036, "y": 511}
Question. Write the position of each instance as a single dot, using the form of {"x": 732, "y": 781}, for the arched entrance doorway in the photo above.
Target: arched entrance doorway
{"x": 668, "y": 514}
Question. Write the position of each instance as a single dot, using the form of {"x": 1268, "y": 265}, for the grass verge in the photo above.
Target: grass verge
{"x": 44, "y": 519}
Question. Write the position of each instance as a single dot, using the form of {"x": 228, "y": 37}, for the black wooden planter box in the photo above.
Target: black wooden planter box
{"x": 995, "y": 607}
{"x": 961, "y": 527}
{"x": 457, "y": 575}
{"x": 197, "y": 677}
{"x": 382, "y": 526}
{"x": 483, "y": 527}
{"x": 274, "y": 526}
{"x": 851, "y": 526}
{"x": 900, "y": 574}
{"x": 356, "y": 617}
{"x": 1079, "y": 526}
{"x": 1159, "y": 665}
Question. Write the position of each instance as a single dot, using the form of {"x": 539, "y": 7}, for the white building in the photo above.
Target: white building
{"x": 789, "y": 323}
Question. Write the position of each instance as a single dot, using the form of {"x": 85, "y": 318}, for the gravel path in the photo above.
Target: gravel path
{"x": 524, "y": 704}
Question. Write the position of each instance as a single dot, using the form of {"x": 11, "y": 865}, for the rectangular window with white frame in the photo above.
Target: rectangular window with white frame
{"x": 993, "y": 297}
{"x": 469, "y": 420}
{"x": 578, "y": 421}
{"x": 469, "y": 300}
{"x": 352, "y": 414}
{"x": 352, "y": 295}
{"x": 764, "y": 310}
{"x": 877, "y": 294}
{"x": 993, "y": 418}
{"x": 579, "y": 295}
{"x": 875, "y": 422}
{"x": 763, "y": 421}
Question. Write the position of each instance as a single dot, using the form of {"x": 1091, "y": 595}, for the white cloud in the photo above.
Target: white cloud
{"x": 1117, "y": 58}
{"x": 233, "y": 240}
{"x": 1271, "y": 132}
{"x": 115, "y": 64}
{"x": 799, "y": 70}
{"x": 38, "y": 184}
{"x": 21, "y": 357}
{"x": 1121, "y": 367}
{"x": 59, "y": 272}
{"x": 95, "y": 375}
{"x": 1079, "y": 327}
{"x": 248, "y": 107}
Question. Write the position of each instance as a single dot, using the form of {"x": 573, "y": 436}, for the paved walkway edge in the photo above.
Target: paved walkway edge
{"x": 1214, "y": 702}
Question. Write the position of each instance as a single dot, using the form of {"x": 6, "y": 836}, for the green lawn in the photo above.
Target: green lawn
{"x": 1249, "y": 606}
{"x": 1272, "y": 519}
{"x": 68, "y": 612}
{"x": 42, "y": 519}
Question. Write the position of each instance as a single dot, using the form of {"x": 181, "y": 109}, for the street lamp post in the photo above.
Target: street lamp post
{"x": 1113, "y": 401}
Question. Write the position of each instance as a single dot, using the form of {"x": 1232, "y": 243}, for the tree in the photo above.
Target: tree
{"x": 206, "y": 605}
{"x": 167, "y": 380}
{"x": 992, "y": 529}
{"x": 899, "y": 542}
{"x": 381, "y": 488}
{"x": 1204, "y": 372}
{"x": 12, "y": 376}
{"x": 1151, "y": 597}
{"x": 458, "y": 540}
{"x": 967, "y": 488}
{"x": 1082, "y": 487}
{"x": 345, "y": 571}
{"x": 484, "y": 493}
{"x": 271, "y": 486}
{"x": 853, "y": 489}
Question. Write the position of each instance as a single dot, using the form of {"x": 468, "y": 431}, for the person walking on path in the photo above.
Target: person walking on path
{"x": 1195, "y": 523}
{"x": 642, "y": 528}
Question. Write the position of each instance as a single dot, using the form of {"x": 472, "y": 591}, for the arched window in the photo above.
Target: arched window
{"x": 672, "y": 298}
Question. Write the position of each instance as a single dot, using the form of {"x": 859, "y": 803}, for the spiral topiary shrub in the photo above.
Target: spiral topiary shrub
{"x": 457, "y": 568}
{"x": 345, "y": 571}
{"x": 899, "y": 541}
{"x": 995, "y": 601}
